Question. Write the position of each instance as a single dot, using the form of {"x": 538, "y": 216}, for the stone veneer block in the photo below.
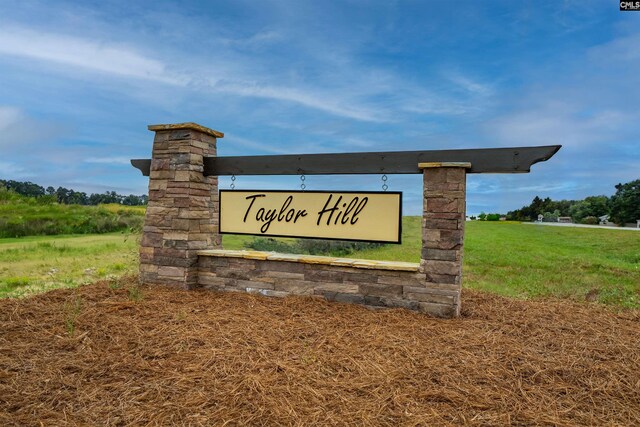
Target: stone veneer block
{"x": 444, "y": 216}
{"x": 183, "y": 126}
{"x": 312, "y": 259}
{"x": 345, "y": 262}
{"x": 181, "y": 216}
{"x": 427, "y": 165}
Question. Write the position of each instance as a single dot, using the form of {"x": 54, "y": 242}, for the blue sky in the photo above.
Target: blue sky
{"x": 80, "y": 82}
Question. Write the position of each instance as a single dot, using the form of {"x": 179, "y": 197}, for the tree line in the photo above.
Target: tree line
{"x": 70, "y": 197}
{"x": 623, "y": 207}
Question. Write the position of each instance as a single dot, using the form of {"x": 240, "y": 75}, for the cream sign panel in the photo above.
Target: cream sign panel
{"x": 370, "y": 216}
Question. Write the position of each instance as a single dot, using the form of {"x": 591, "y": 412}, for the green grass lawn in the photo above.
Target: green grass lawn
{"x": 38, "y": 263}
{"x": 511, "y": 259}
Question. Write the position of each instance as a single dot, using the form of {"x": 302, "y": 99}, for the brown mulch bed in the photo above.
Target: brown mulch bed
{"x": 152, "y": 355}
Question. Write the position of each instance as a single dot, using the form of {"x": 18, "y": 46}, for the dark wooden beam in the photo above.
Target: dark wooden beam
{"x": 143, "y": 165}
{"x": 483, "y": 160}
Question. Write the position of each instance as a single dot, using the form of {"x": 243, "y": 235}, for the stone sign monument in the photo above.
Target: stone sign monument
{"x": 181, "y": 243}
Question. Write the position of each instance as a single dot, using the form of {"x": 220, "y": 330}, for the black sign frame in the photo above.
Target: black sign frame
{"x": 394, "y": 242}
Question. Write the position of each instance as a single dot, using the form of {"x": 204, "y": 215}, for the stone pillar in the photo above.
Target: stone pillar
{"x": 443, "y": 221}
{"x": 182, "y": 215}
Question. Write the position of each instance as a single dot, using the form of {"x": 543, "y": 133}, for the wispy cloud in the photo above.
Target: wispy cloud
{"x": 367, "y": 95}
{"x": 498, "y": 187}
{"x": 19, "y": 131}
{"x": 469, "y": 84}
{"x": 233, "y": 140}
{"x": 328, "y": 102}
{"x": 8, "y": 116}
{"x": 256, "y": 40}
{"x": 84, "y": 53}
{"x": 125, "y": 61}
{"x": 9, "y": 170}
{"x": 559, "y": 122}
{"x": 625, "y": 48}
{"x": 109, "y": 160}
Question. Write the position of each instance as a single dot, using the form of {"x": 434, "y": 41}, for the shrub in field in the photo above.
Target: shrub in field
{"x": 11, "y": 283}
{"x": 625, "y": 204}
{"x": 310, "y": 246}
{"x": 591, "y": 220}
{"x": 269, "y": 244}
{"x": 333, "y": 247}
{"x": 488, "y": 217}
{"x": 551, "y": 216}
{"x": 593, "y": 206}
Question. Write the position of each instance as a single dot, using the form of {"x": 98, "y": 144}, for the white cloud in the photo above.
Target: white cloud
{"x": 624, "y": 49}
{"x": 8, "y": 116}
{"x": 338, "y": 86}
{"x": 257, "y": 40}
{"x": 109, "y": 160}
{"x": 468, "y": 84}
{"x": 124, "y": 61}
{"x": 9, "y": 170}
{"x": 18, "y": 130}
{"x": 570, "y": 123}
{"x": 433, "y": 104}
{"x": 532, "y": 184}
{"x": 327, "y": 101}
{"x": 233, "y": 140}
{"x": 87, "y": 54}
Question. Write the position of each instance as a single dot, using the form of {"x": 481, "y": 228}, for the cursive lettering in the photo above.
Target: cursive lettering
{"x": 268, "y": 216}
{"x": 343, "y": 214}
{"x": 253, "y": 199}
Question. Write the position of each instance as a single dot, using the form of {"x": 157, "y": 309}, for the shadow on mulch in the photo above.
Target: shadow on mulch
{"x": 152, "y": 355}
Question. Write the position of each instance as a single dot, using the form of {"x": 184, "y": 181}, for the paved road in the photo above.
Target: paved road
{"x": 564, "y": 224}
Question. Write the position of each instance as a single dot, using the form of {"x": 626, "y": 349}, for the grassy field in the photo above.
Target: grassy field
{"x": 510, "y": 259}
{"x": 29, "y": 216}
{"x": 38, "y": 263}
{"x": 525, "y": 260}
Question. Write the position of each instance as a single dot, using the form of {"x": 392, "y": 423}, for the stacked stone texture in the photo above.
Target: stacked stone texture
{"x": 443, "y": 229}
{"x": 371, "y": 287}
{"x": 181, "y": 217}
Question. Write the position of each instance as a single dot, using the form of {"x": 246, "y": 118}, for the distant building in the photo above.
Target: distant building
{"x": 565, "y": 219}
{"x": 603, "y": 220}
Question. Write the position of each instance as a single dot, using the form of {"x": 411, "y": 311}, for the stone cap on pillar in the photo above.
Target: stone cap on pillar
{"x": 189, "y": 125}
{"x": 428, "y": 165}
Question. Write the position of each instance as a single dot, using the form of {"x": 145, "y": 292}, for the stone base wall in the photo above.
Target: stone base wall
{"x": 371, "y": 283}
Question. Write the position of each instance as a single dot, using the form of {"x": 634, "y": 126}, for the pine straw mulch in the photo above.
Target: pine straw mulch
{"x": 98, "y": 355}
